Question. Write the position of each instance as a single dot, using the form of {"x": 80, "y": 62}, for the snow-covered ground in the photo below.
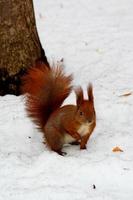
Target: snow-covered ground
{"x": 95, "y": 38}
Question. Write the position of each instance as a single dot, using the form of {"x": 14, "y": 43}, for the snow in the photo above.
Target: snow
{"x": 95, "y": 38}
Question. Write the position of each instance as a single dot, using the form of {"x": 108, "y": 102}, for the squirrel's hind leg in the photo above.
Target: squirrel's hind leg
{"x": 54, "y": 140}
{"x": 62, "y": 153}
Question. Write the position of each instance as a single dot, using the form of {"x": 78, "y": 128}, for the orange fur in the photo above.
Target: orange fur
{"x": 47, "y": 88}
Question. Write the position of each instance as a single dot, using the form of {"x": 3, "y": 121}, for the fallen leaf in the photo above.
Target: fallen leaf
{"x": 126, "y": 94}
{"x": 117, "y": 149}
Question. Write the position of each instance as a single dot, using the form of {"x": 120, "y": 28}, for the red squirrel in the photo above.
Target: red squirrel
{"x": 47, "y": 88}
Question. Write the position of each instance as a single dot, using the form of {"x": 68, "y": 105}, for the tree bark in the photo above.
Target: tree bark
{"x": 19, "y": 42}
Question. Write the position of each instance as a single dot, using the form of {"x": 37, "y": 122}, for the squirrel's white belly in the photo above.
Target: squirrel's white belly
{"x": 68, "y": 139}
{"x": 84, "y": 129}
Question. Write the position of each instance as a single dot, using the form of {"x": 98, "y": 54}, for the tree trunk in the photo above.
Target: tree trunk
{"x": 19, "y": 43}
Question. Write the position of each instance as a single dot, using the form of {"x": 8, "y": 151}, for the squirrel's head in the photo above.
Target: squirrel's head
{"x": 85, "y": 107}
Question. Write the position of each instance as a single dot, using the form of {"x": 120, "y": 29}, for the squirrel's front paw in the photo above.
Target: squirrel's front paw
{"x": 77, "y": 137}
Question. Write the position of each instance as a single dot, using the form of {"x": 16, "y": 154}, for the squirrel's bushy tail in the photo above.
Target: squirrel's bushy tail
{"x": 46, "y": 90}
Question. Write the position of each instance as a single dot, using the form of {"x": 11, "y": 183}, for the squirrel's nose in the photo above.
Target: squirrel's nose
{"x": 89, "y": 120}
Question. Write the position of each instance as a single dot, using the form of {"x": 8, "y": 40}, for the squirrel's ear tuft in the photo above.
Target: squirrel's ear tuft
{"x": 90, "y": 92}
{"x": 79, "y": 96}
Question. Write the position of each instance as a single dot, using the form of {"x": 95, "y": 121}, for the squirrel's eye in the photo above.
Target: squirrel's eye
{"x": 81, "y": 113}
